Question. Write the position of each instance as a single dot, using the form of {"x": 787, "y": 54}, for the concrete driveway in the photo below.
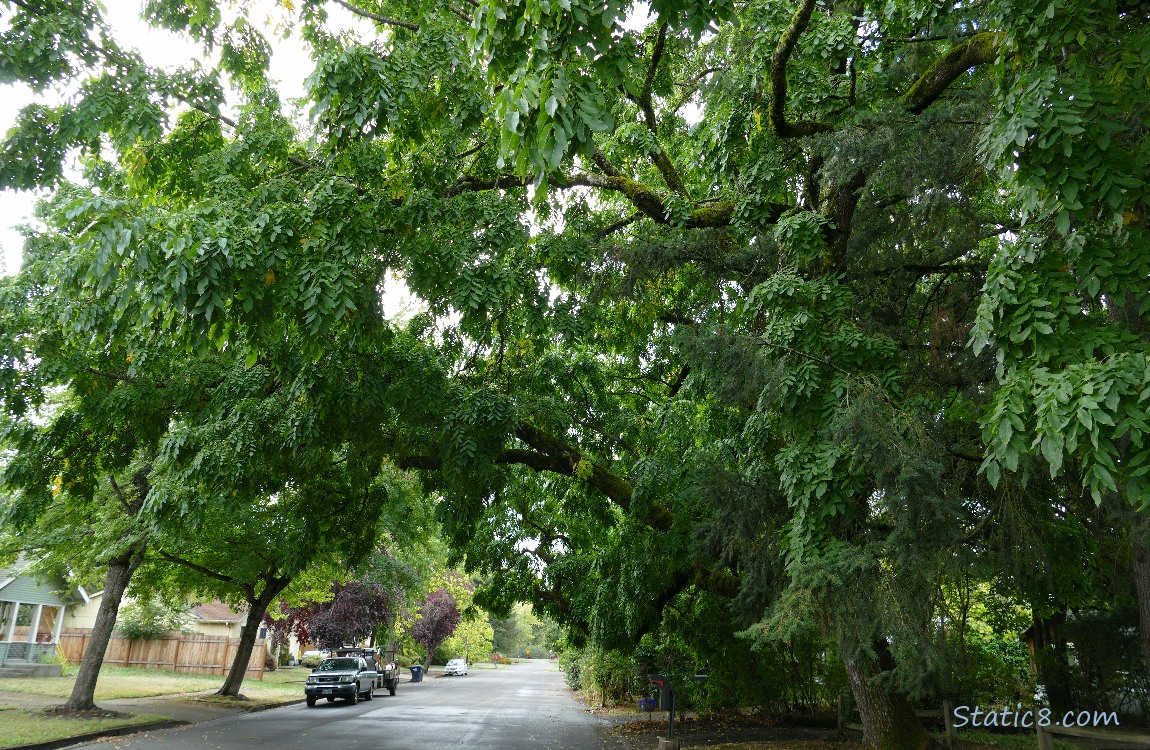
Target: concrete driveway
{"x": 520, "y": 707}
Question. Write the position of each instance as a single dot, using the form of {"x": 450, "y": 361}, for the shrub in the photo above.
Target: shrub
{"x": 56, "y": 656}
{"x": 572, "y": 669}
{"x": 148, "y": 619}
{"x": 311, "y": 661}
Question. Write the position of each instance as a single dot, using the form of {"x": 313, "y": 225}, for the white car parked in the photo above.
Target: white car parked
{"x": 455, "y": 666}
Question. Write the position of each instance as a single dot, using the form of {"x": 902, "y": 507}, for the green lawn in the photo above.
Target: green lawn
{"x": 133, "y": 682}
{"x": 20, "y": 727}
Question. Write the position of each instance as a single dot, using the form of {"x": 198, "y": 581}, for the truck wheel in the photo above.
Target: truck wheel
{"x": 391, "y": 689}
{"x": 354, "y": 696}
{"x": 369, "y": 694}
{"x": 310, "y": 702}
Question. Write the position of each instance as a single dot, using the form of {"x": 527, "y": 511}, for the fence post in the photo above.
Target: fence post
{"x": 1045, "y": 739}
{"x": 948, "y": 722}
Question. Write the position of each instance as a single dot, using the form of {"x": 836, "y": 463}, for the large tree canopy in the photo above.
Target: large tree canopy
{"x": 699, "y": 292}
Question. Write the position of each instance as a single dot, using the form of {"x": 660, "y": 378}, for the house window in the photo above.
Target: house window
{"x": 263, "y": 633}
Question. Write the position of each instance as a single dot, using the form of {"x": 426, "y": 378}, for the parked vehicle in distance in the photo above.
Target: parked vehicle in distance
{"x": 455, "y": 666}
{"x": 346, "y": 677}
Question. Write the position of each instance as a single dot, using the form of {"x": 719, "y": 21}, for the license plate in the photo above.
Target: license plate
{"x": 326, "y": 691}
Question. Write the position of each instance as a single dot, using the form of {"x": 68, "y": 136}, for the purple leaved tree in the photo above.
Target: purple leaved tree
{"x": 354, "y": 612}
{"x": 438, "y": 618}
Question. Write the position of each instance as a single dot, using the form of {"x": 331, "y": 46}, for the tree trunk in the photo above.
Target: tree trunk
{"x": 1140, "y": 539}
{"x": 256, "y": 611}
{"x": 1050, "y": 658}
{"x": 120, "y": 570}
{"x": 888, "y": 718}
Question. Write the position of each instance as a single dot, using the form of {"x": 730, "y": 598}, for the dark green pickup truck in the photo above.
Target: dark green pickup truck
{"x": 382, "y": 662}
{"x": 347, "y": 677}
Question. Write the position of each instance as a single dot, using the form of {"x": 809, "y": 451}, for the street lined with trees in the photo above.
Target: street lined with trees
{"x": 804, "y": 343}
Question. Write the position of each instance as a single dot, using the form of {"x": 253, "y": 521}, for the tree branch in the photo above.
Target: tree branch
{"x": 470, "y": 151}
{"x": 385, "y": 20}
{"x": 123, "y": 378}
{"x": 621, "y": 224}
{"x": 680, "y": 379}
{"x": 658, "y": 155}
{"x": 644, "y": 198}
{"x": 198, "y": 568}
{"x": 572, "y": 463}
{"x": 119, "y": 494}
{"x": 979, "y": 49}
{"x": 777, "y": 112}
{"x": 649, "y": 81}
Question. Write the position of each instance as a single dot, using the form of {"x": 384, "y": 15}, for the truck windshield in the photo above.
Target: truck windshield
{"x": 329, "y": 665}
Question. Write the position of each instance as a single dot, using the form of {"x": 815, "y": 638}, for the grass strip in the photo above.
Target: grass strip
{"x": 279, "y": 686}
{"x": 23, "y": 727}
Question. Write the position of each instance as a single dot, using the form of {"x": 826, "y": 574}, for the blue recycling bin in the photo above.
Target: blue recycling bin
{"x": 417, "y": 673}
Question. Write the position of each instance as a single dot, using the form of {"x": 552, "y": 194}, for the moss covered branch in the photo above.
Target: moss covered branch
{"x": 977, "y": 50}
{"x": 777, "y": 115}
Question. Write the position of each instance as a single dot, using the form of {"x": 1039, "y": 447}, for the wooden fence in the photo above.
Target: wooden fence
{"x": 197, "y": 654}
{"x": 944, "y": 714}
{"x": 1107, "y": 737}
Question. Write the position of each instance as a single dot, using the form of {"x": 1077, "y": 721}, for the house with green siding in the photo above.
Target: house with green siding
{"x": 31, "y": 615}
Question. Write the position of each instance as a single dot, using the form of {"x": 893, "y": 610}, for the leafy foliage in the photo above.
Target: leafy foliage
{"x": 148, "y": 619}
{"x": 760, "y": 314}
{"x": 356, "y": 609}
{"x": 437, "y": 619}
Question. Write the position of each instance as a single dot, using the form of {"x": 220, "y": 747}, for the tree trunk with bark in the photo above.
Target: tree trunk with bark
{"x": 1140, "y": 541}
{"x": 888, "y": 718}
{"x": 257, "y": 608}
{"x": 1051, "y": 661}
{"x": 120, "y": 570}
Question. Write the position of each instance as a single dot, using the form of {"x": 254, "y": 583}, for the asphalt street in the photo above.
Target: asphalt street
{"x": 521, "y": 707}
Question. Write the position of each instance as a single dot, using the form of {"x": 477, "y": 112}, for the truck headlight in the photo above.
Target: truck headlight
{"x": 347, "y": 678}
{"x": 310, "y": 680}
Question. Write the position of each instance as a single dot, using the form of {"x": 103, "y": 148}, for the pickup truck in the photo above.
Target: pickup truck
{"x": 383, "y": 662}
{"x": 347, "y": 677}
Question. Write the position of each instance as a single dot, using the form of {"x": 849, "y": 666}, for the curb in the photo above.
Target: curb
{"x": 80, "y": 738}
